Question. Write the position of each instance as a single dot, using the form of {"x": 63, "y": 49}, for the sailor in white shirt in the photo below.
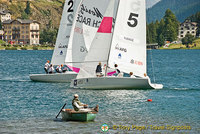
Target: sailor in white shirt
{"x": 46, "y": 66}
{"x": 51, "y": 69}
{"x": 59, "y": 69}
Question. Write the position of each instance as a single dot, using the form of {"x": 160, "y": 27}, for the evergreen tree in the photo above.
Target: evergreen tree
{"x": 188, "y": 39}
{"x": 28, "y": 8}
{"x": 171, "y": 26}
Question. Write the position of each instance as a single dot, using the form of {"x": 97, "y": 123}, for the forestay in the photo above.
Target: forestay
{"x": 99, "y": 49}
{"x": 88, "y": 19}
{"x": 63, "y": 36}
{"x": 128, "y": 48}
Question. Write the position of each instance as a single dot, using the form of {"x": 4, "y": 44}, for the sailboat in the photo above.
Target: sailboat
{"x": 70, "y": 44}
{"x": 124, "y": 45}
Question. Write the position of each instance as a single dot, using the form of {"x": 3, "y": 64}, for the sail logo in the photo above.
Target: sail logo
{"x": 139, "y": 63}
{"x": 61, "y": 52}
{"x": 90, "y": 21}
{"x": 119, "y": 56}
{"x": 62, "y": 46}
{"x": 95, "y": 11}
{"x": 129, "y": 39}
{"x": 83, "y": 49}
{"x": 104, "y": 127}
{"x": 117, "y": 47}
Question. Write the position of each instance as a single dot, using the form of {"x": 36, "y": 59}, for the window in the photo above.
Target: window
{"x": 36, "y": 36}
{"x": 32, "y": 36}
{"x": 22, "y": 36}
{"x": 26, "y": 27}
{"x": 188, "y": 31}
{"x": 181, "y": 28}
{"x": 22, "y": 27}
{"x": 181, "y": 32}
{"x": 181, "y": 35}
{"x": 26, "y": 36}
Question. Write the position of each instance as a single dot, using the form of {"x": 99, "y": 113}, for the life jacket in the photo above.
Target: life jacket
{"x": 78, "y": 102}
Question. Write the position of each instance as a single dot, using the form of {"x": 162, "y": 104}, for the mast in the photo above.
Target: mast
{"x": 111, "y": 39}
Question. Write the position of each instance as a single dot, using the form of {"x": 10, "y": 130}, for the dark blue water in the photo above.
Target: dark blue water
{"x": 30, "y": 107}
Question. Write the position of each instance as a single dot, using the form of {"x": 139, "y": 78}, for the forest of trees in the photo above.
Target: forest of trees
{"x": 164, "y": 30}
{"x": 167, "y": 28}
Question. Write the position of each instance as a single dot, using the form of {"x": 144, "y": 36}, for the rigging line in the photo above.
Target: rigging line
{"x": 152, "y": 65}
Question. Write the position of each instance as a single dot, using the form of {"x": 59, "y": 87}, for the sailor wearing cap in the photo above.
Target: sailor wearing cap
{"x": 78, "y": 106}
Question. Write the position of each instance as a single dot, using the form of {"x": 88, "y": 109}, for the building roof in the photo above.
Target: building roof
{"x": 189, "y": 22}
{"x": 22, "y": 21}
{"x": 4, "y": 12}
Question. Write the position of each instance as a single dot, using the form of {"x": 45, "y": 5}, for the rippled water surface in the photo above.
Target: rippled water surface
{"x": 30, "y": 107}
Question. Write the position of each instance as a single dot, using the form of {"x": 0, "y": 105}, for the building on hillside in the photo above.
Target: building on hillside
{"x": 187, "y": 27}
{"x": 5, "y": 15}
{"x": 21, "y": 31}
{"x": 1, "y": 34}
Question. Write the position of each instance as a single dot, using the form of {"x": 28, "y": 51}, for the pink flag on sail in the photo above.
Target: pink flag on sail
{"x": 74, "y": 69}
{"x": 106, "y": 25}
{"x": 111, "y": 73}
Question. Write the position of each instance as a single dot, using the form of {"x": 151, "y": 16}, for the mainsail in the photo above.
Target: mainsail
{"x": 63, "y": 36}
{"x": 128, "y": 48}
{"x": 88, "y": 19}
{"x": 99, "y": 49}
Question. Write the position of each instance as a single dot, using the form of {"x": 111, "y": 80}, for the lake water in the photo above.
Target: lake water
{"x": 30, "y": 107}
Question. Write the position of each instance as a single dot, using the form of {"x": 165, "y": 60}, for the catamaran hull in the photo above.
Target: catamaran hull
{"x": 114, "y": 83}
{"x": 57, "y": 77}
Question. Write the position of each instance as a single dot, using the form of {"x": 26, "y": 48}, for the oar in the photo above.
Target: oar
{"x": 61, "y": 110}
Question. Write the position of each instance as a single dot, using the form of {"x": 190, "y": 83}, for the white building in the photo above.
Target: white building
{"x": 5, "y": 15}
{"x": 187, "y": 27}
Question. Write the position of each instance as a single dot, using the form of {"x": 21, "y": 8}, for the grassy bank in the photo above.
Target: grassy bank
{"x": 28, "y": 47}
{"x": 181, "y": 46}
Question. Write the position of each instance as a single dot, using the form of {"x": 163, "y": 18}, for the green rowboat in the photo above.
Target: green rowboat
{"x": 71, "y": 115}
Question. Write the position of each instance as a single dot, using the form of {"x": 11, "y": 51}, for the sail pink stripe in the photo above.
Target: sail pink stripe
{"x": 111, "y": 73}
{"x": 106, "y": 25}
{"x": 74, "y": 69}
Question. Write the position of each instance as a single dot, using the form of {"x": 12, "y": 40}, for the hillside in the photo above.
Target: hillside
{"x": 47, "y": 12}
{"x": 150, "y": 3}
{"x": 181, "y": 8}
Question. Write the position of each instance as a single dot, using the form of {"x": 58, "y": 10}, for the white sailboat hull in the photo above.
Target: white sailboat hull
{"x": 114, "y": 83}
{"x": 56, "y": 77}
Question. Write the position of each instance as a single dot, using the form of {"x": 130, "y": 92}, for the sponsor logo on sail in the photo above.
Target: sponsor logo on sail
{"x": 119, "y": 56}
{"x": 62, "y": 46}
{"x": 90, "y": 21}
{"x": 129, "y": 39}
{"x": 104, "y": 127}
{"x": 139, "y": 63}
{"x": 61, "y": 52}
{"x": 117, "y": 47}
{"x": 83, "y": 49}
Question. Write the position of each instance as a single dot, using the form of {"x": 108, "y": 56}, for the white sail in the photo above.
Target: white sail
{"x": 90, "y": 13}
{"x": 128, "y": 48}
{"x": 99, "y": 49}
{"x": 63, "y": 36}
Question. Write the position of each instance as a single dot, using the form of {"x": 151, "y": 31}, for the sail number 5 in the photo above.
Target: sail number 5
{"x": 132, "y": 20}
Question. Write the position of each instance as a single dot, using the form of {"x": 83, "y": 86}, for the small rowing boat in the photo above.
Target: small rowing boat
{"x": 72, "y": 115}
